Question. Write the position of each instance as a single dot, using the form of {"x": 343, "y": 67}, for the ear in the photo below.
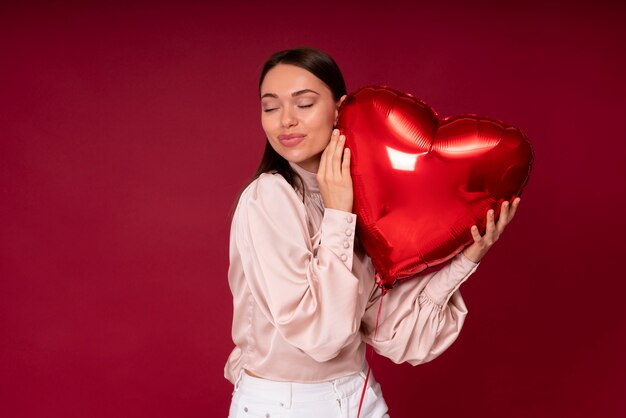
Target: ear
{"x": 341, "y": 99}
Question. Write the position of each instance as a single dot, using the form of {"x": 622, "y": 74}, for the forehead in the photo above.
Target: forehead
{"x": 285, "y": 79}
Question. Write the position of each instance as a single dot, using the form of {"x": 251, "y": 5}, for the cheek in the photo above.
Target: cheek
{"x": 323, "y": 120}
{"x": 266, "y": 124}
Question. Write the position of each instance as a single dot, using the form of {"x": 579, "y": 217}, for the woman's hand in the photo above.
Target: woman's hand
{"x": 333, "y": 175}
{"x": 481, "y": 245}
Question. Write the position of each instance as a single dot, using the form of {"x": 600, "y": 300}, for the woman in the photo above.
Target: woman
{"x": 304, "y": 296}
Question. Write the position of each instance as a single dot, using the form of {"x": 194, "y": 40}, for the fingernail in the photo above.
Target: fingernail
{"x": 341, "y": 137}
{"x": 335, "y": 131}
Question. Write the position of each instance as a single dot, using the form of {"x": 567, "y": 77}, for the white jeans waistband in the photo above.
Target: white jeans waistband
{"x": 285, "y": 393}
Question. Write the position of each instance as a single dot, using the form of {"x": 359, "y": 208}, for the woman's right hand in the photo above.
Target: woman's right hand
{"x": 333, "y": 174}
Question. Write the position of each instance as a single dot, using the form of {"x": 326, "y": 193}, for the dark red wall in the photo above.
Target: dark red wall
{"x": 127, "y": 131}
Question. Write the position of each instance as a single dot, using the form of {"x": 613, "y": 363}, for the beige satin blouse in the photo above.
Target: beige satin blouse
{"x": 305, "y": 300}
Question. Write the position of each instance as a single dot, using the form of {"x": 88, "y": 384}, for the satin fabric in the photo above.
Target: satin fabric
{"x": 304, "y": 297}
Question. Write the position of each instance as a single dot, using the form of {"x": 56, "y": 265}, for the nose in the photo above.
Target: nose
{"x": 287, "y": 118}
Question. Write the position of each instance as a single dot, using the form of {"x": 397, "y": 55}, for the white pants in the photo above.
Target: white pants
{"x": 255, "y": 397}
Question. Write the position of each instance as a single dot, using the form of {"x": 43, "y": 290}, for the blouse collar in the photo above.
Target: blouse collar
{"x": 310, "y": 179}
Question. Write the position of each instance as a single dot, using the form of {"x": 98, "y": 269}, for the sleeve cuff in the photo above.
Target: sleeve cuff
{"x": 449, "y": 279}
{"x": 337, "y": 234}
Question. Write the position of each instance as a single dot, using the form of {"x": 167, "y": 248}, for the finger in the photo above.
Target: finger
{"x": 504, "y": 213}
{"x": 503, "y": 219}
{"x": 338, "y": 156}
{"x": 514, "y": 207}
{"x": 345, "y": 165}
{"x": 321, "y": 170}
{"x": 475, "y": 234}
{"x": 491, "y": 226}
{"x": 332, "y": 150}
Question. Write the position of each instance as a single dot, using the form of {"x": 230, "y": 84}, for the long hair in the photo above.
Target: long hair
{"x": 323, "y": 67}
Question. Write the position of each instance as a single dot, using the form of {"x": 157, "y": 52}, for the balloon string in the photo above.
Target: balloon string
{"x": 369, "y": 366}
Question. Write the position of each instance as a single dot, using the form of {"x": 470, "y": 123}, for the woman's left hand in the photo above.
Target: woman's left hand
{"x": 481, "y": 245}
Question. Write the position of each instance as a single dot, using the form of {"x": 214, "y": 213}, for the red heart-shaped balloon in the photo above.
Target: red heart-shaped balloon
{"x": 420, "y": 181}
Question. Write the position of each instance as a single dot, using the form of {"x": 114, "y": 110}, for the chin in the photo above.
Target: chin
{"x": 295, "y": 156}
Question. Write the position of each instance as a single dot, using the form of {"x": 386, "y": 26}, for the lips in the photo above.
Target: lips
{"x": 289, "y": 140}
{"x": 289, "y": 136}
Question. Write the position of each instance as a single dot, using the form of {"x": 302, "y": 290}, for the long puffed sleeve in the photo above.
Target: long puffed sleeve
{"x": 307, "y": 291}
{"x": 421, "y": 317}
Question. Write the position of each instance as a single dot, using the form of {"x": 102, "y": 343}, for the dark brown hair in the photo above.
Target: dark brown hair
{"x": 323, "y": 67}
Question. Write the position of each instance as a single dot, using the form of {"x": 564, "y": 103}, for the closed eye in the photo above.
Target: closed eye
{"x": 302, "y": 107}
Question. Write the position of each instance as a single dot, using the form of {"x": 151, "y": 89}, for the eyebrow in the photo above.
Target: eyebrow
{"x": 294, "y": 94}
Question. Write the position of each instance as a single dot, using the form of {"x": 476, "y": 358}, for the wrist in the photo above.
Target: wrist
{"x": 474, "y": 258}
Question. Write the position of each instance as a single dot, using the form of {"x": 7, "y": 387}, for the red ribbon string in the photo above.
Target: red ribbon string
{"x": 369, "y": 367}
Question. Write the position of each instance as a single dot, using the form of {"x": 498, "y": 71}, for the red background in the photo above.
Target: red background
{"x": 128, "y": 130}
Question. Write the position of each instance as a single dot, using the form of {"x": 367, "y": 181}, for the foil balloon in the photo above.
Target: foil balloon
{"x": 421, "y": 181}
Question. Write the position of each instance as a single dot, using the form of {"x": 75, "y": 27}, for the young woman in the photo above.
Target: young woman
{"x": 304, "y": 296}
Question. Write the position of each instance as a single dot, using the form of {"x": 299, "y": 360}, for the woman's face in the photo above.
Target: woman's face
{"x": 298, "y": 112}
